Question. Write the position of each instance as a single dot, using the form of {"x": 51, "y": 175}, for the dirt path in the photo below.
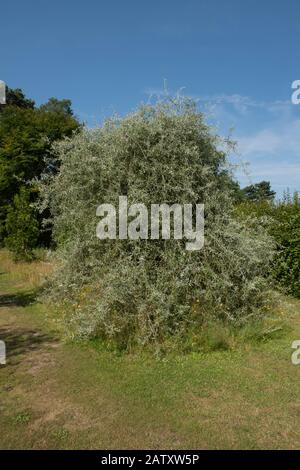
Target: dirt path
{"x": 26, "y": 382}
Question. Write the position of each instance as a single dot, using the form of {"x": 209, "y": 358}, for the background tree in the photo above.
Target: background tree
{"x": 26, "y": 137}
{"x": 286, "y": 230}
{"x": 16, "y": 97}
{"x": 258, "y": 192}
{"x": 22, "y": 227}
{"x": 282, "y": 220}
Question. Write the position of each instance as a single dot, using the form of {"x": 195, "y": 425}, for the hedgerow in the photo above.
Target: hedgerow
{"x": 282, "y": 220}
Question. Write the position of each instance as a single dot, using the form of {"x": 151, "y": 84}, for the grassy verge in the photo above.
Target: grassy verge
{"x": 56, "y": 394}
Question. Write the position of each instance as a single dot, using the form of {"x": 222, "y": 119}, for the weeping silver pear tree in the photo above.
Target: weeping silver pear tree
{"x": 144, "y": 291}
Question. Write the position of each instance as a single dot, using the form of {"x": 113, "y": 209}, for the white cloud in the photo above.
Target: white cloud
{"x": 280, "y": 140}
{"x": 265, "y": 141}
{"x": 268, "y": 138}
{"x": 282, "y": 175}
{"x": 243, "y": 103}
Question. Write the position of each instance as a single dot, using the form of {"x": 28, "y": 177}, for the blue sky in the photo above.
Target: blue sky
{"x": 237, "y": 57}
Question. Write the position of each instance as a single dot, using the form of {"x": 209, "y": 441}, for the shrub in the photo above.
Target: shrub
{"x": 21, "y": 226}
{"x": 148, "y": 290}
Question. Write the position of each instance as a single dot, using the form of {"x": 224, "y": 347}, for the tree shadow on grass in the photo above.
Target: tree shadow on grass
{"x": 21, "y": 341}
{"x": 19, "y": 299}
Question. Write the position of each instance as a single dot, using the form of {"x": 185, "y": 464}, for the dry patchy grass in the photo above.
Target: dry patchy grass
{"x": 31, "y": 275}
{"x": 77, "y": 395}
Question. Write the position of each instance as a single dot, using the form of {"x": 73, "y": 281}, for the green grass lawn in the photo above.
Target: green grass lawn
{"x": 57, "y": 394}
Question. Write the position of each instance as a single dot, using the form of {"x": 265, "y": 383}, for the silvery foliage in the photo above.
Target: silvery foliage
{"x": 147, "y": 290}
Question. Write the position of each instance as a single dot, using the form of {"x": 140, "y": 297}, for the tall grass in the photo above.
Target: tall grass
{"x": 30, "y": 274}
